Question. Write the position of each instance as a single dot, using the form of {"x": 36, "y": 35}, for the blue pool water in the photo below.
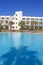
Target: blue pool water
{"x": 19, "y": 49}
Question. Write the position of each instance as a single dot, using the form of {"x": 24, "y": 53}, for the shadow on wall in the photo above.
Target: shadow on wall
{"x": 21, "y": 56}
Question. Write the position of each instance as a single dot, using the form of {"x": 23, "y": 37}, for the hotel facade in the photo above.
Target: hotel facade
{"x": 17, "y": 17}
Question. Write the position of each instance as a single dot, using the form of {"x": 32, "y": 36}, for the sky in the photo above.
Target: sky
{"x": 29, "y": 7}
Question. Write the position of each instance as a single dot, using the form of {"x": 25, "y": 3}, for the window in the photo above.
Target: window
{"x": 32, "y": 19}
{"x": 2, "y": 17}
{"x": 12, "y": 26}
{"x": 6, "y": 21}
{"x": 36, "y": 19}
{"x": 27, "y": 19}
{"x": 16, "y": 26}
{"x": 16, "y": 14}
{"x": 27, "y": 22}
{"x": 16, "y": 22}
{"x": 40, "y": 20}
{"x": 16, "y": 18}
{"x": 27, "y": 27}
{"x": 23, "y": 18}
{"x": 7, "y": 18}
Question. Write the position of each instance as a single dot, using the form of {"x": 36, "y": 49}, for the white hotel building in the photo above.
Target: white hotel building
{"x": 17, "y": 17}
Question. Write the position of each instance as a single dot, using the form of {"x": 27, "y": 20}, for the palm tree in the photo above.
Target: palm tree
{"x": 10, "y": 24}
{"x": 22, "y": 25}
{"x": 32, "y": 25}
{"x": 36, "y": 23}
{"x": 40, "y": 25}
{"x": 1, "y": 25}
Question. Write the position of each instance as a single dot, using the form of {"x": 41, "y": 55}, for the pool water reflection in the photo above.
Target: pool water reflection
{"x": 21, "y": 49}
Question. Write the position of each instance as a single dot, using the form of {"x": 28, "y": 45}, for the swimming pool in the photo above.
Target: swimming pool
{"x": 9, "y": 42}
